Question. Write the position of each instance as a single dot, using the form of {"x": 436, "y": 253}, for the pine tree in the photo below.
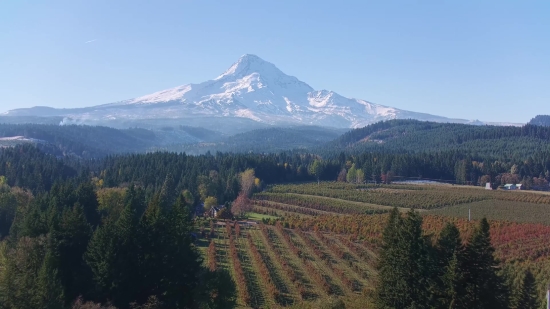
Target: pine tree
{"x": 100, "y": 256}
{"x": 70, "y": 241}
{"x": 217, "y": 290}
{"x": 168, "y": 192}
{"x": 182, "y": 262}
{"x": 484, "y": 288}
{"x": 390, "y": 286}
{"x": 450, "y": 260}
{"x": 418, "y": 265}
{"x": 528, "y": 297}
{"x": 126, "y": 263}
{"x": 114, "y": 255}
{"x": 150, "y": 232}
{"x": 19, "y": 285}
{"x": 50, "y": 293}
{"x": 453, "y": 293}
{"x": 87, "y": 198}
{"x": 404, "y": 277}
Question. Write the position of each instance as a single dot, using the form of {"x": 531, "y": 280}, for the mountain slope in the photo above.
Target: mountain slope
{"x": 250, "y": 89}
{"x": 409, "y": 136}
{"x": 270, "y": 140}
{"x": 541, "y": 120}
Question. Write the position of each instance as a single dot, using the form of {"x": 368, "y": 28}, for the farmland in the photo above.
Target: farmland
{"x": 277, "y": 267}
{"x": 314, "y": 199}
{"x": 320, "y": 242}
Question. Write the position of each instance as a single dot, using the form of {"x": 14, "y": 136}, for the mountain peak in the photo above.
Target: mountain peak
{"x": 250, "y": 57}
{"x": 251, "y": 88}
{"x": 248, "y": 64}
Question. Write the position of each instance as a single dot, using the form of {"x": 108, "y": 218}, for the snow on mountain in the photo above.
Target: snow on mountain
{"x": 251, "y": 88}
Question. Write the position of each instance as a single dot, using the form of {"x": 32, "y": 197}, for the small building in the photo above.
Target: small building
{"x": 488, "y": 186}
{"x": 215, "y": 210}
{"x": 511, "y": 186}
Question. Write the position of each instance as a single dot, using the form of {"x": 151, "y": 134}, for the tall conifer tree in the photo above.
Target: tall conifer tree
{"x": 484, "y": 288}
{"x": 528, "y": 297}
{"x": 450, "y": 258}
{"x": 404, "y": 266}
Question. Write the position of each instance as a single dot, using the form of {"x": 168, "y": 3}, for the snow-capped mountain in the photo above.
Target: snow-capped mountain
{"x": 251, "y": 88}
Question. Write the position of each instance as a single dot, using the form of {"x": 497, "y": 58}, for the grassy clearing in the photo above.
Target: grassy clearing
{"x": 259, "y": 217}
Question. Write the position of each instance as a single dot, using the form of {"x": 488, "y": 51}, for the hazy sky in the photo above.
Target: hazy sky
{"x": 487, "y": 60}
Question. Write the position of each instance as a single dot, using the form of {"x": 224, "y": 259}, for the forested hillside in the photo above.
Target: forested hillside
{"x": 411, "y": 136}
{"x": 269, "y": 140}
{"x": 541, "y": 120}
{"x": 82, "y": 141}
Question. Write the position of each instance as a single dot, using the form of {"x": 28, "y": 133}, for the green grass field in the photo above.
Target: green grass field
{"x": 259, "y": 217}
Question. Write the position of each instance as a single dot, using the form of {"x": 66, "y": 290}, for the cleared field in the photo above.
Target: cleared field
{"x": 276, "y": 267}
{"x": 312, "y": 199}
{"x": 499, "y": 210}
{"x": 383, "y": 196}
{"x": 321, "y": 203}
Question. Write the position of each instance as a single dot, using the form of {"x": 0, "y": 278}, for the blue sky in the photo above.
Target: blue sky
{"x": 487, "y": 60}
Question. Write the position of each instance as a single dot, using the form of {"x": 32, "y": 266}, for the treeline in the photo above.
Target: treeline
{"x": 206, "y": 175}
{"x": 216, "y": 175}
{"x": 28, "y": 167}
{"x": 61, "y": 251}
{"x": 82, "y": 141}
{"x": 415, "y": 272}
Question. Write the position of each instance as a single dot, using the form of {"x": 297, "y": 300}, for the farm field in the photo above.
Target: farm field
{"x": 314, "y": 199}
{"x": 320, "y": 242}
{"x": 276, "y": 267}
{"x": 301, "y": 262}
{"x": 499, "y": 210}
{"x": 352, "y": 218}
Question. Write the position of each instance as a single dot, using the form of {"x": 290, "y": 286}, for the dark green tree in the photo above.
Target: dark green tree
{"x": 113, "y": 255}
{"x": 50, "y": 293}
{"x": 181, "y": 264}
{"x": 87, "y": 198}
{"x": 528, "y": 296}
{"x": 484, "y": 287}
{"x": 450, "y": 261}
{"x": 100, "y": 256}
{"x": 70, "y": 241}
{"x": 404, "y": 266}
{"x": 217, "y": 290}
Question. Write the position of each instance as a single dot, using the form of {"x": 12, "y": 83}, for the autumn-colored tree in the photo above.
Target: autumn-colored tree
{"x": 342, "y": 175}
{"x": 247, "y": 179}
{"x": 241, "y": 205}
{"x": 359, "y": 176}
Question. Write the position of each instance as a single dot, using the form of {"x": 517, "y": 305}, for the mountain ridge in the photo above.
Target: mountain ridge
{"x": 251, "y": 88}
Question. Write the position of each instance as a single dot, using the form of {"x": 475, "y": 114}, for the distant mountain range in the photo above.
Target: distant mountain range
{"x": 393, "y": 136}
{"x": 251, "y": 94}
